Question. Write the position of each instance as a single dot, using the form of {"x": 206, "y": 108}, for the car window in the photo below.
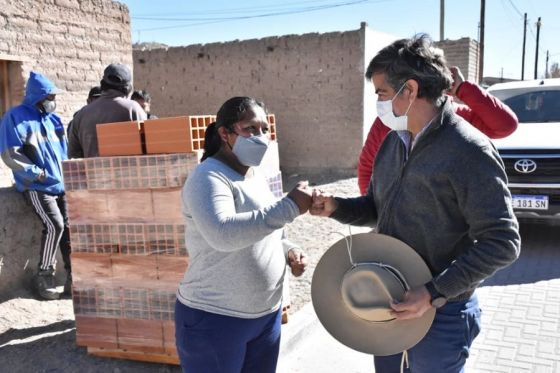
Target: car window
{"x": 537, "y": 106}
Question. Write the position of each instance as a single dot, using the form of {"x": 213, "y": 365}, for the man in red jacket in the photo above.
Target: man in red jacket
{"x": 481, "y": 109}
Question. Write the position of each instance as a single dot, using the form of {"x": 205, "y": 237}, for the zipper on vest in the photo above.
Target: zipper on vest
{"x": 395, "y": 191}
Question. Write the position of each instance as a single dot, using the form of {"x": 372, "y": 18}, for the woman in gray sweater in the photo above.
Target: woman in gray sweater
{"x": 228, "y": 309}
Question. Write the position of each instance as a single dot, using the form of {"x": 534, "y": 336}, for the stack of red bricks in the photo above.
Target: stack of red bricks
{"x": 127, "y": 233}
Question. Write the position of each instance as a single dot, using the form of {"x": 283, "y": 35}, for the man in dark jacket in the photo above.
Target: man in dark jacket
{"x": 33, "y": 145}
{"x": 484, "y": 111}
{"x": 94, "y": 94}
{"x": 439, "y": 185}
{"x": 112, "y": 106}
{"x": 145, "y": 100}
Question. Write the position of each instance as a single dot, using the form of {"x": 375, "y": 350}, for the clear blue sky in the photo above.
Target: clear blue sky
{"x": 178, "y": 23}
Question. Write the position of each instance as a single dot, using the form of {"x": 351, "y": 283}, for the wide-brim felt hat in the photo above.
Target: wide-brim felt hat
{"x": 351, "y": 295}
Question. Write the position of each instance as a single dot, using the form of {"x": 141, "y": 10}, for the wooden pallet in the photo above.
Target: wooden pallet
{"x": 134, "y": 355}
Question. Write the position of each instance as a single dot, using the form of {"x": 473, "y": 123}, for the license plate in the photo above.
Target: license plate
{"x": 530, "y": 202}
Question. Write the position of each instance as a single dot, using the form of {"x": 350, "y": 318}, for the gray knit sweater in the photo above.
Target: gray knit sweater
{"x": 234, "y": 236}
{"x": 449, "y": 201}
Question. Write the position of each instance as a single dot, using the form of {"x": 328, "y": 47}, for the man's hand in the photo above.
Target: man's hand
{"x": 297, "y": 262}
{"x": 302, "y": 196}
{"x": 415, "y": 303}
{"x": 324, "y": 203}
{"x": 42, "y": 176}
{"x": 458, "y": 78}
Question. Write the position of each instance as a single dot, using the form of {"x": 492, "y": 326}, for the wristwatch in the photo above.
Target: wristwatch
{"x": 437, "y": 300}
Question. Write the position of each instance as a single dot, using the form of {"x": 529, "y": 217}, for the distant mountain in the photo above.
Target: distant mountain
{"x": 149, "y": 45}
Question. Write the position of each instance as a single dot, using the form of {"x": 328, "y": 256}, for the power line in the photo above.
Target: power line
{"x": 514, "y": 7}
{"x": 508, "y": 11}
{"x": 244, "y": 10}
{"x": 541, "y": 48}
{"x": 263, "y": 15}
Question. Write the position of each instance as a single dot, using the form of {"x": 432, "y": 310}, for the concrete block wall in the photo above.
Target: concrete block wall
{"x": 313, "y": 83}
{"x": 462, "y": 53}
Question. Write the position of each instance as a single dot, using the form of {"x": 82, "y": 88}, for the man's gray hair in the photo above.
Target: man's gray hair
{"x": 416, "y": 59}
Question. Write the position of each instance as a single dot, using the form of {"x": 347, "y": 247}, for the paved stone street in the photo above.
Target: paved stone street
{"x": 521, "y": 320}
{"x": 521, "y": 310}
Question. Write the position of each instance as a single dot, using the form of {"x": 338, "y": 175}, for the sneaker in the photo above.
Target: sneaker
{"x": 68, "y": 285}
{"x": 45, "y": 285}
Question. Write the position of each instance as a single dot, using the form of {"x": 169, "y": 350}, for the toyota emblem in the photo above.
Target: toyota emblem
{"x": 525, "y": 166}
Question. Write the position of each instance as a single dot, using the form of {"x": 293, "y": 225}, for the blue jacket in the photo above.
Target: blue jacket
{"x": 33, "y": 142}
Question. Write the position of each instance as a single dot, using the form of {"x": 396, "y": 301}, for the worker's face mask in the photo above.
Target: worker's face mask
{"x": 388, "y": 117}
{"x": 49, "y": 106}
{"x": 250, "y": 150}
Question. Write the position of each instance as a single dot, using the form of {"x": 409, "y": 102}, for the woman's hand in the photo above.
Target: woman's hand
{"x": 301, "y": 195}
{"x": 297, "y": 261}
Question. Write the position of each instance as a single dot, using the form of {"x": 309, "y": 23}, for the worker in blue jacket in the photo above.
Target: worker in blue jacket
{"x": 33, "y": 144}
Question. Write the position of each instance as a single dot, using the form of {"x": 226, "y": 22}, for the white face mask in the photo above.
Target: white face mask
{"x": 250, "y": 150}
{"x": 49, "y": 106}
{"x": 388, "y": 117}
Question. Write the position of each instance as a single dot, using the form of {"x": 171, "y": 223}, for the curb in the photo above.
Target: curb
{"x": 300, "y": 325}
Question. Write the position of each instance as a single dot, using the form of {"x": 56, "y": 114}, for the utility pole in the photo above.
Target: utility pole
{"x": 523, "y": 53}
{"x": 546, "y": 74}
{"x": 537, "y": 48}
{"x": 481, "y": 41}
{"x": 441, "y": 19}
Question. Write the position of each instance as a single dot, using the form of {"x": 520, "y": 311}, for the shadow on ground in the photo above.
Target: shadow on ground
{"x": 291, "y": 178}
{"x": 37, "y": 350}
{"x": 12, "y": 335}
{"x": 539, "y": 259}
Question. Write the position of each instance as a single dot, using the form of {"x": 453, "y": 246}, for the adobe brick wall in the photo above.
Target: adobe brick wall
{"x": 70, "y": 41}
{"x": 313, "y": 83}
{"x": 20, "y": 240}
{"x": 462, "y": 53}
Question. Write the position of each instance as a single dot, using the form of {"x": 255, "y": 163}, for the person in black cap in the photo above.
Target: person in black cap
{"x": 112, "y": 106}
{"x": 94, "y": 94}
{"x": 145, "y": 100}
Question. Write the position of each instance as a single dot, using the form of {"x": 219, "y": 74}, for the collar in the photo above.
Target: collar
{"x": 112, "y": 93}
{"x": 431, "y": 126}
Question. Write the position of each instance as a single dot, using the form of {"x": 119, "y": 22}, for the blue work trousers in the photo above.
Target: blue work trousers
{"x": 212, "y": 343}
{"x": 446, "y": 347}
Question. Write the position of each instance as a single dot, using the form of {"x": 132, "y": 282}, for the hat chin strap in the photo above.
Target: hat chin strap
{"x": 404, "y": 360}
{"x": 368, "y": 287}
{"x": 395, "y": 272}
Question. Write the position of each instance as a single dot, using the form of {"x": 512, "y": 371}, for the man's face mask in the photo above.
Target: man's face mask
{"x": 388, "y": 117}
{"x": 49, "y": 106}
{"x": 250, "y": 150}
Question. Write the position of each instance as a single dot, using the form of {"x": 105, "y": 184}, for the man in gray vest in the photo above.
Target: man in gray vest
{"x": 440, "y": 186}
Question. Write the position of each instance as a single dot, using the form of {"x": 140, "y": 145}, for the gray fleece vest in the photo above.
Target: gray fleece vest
{"x": 449, "y": 201}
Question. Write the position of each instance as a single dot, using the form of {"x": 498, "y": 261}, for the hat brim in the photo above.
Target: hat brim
{"x": 377, "y": 338}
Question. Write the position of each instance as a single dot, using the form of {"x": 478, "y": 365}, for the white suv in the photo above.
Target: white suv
{"x": 532, "y": 153}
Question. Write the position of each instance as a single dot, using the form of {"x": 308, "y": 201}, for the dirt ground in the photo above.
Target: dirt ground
{"x": 39, "y": 336}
